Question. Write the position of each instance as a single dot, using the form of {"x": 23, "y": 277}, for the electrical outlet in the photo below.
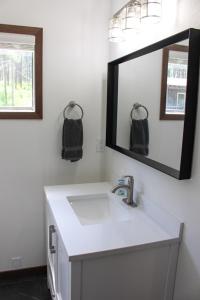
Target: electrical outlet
{"x": 16, "y": 262}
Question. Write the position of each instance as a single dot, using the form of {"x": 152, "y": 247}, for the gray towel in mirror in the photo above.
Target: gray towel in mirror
{"x": 72, "y": 140}
{"x": 139, "y": 137}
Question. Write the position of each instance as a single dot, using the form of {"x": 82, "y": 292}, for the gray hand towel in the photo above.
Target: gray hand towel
{"x": 139, "y": 137}
{"x": 72, "y": 140}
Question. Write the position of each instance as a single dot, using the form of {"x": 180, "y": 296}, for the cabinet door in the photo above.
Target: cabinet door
{"x": 64, "y": 273}
{"x": 52, "y": 254}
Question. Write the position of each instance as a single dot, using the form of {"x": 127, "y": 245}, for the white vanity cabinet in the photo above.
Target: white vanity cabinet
{"x": 122, "y": 261}
{"x": 58, "y": 265}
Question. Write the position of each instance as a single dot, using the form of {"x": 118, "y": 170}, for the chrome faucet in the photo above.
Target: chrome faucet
{"x": 129, "y": 187}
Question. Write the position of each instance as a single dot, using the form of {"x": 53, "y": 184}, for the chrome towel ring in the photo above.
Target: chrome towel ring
{"x": 136, "y": 106}
{"x": 72, "y": 104}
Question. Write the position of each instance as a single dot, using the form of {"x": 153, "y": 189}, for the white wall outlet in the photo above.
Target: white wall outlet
{"x": 16, "y": 262}
{"x": 100, "y": 145}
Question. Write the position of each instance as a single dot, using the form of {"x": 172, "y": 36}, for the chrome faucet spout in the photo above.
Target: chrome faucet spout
{"x": 129, "y": 188}
{"x": 117, "y": 187}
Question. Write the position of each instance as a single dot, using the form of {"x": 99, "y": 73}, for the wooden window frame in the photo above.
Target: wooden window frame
{"x": 165, "y": 59}
{"x": 38, "y": 33}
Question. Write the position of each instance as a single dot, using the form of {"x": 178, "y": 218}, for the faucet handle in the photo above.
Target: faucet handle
{"x": 131, "y": 178}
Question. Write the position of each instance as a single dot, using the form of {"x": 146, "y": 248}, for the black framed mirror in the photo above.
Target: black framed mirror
{"x": 135, "y": 90}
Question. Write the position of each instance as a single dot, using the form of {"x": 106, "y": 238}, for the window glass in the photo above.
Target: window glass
{"x": 176, "y": 82}
{"x": 16, "y": 77}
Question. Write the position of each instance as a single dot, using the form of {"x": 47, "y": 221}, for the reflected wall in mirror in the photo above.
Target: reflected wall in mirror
{"x": 135, "y": 85}
{"x": 174, "y": 82}
{"x": 139, "y": 80}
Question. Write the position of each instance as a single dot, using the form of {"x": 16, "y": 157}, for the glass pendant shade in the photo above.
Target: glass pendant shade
{"x": 115, "y": 29}
{"x": 150, "y": 11}
{"x": 126, "y": 23}
{"x": 131, "y": 16}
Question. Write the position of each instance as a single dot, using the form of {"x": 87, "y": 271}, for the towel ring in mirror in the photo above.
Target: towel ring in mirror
{"x": 136, "y": 106}
{"x": 72, "y": 104}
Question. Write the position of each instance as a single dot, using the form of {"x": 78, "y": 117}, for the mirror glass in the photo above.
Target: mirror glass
{"x": 143, "y": 83}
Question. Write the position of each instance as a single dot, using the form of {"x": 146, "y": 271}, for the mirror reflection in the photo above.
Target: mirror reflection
{"x": 140, "y": 88}
{"x": 174, "y": 82}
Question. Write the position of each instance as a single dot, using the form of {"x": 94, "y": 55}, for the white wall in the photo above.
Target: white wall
{"x": 181, "y": 198}
{"x": 75, "y": 57}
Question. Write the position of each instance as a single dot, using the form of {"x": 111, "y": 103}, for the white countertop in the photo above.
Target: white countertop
{"x": 84, "y": 241}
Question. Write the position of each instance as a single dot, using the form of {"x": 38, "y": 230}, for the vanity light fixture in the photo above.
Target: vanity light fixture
{"x": 130, "y": 17}
{"x": 150, "y": 11}
{"x": 115, "y": 29}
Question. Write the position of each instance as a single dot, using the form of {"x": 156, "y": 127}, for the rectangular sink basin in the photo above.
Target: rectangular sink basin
{"x": 98, "y": 208}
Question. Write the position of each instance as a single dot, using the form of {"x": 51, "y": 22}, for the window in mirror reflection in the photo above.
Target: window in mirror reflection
{"x": 174, "y": 82}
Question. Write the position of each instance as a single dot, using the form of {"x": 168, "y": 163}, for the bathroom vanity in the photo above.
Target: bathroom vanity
{"x": 100, "y": 248}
